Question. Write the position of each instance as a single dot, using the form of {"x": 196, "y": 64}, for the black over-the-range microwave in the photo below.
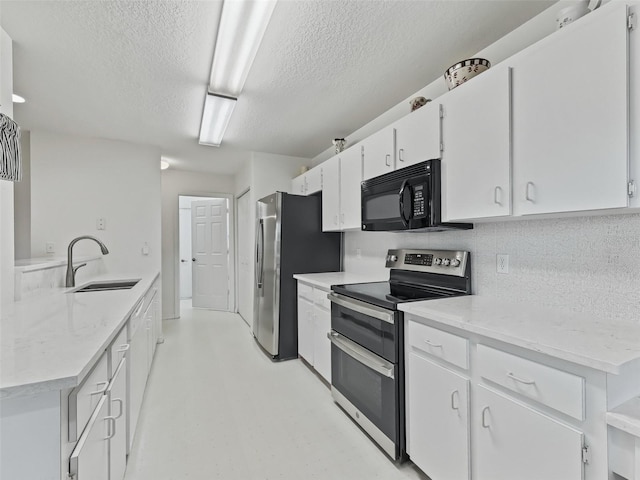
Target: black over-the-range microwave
{"x": 406, "y": 199}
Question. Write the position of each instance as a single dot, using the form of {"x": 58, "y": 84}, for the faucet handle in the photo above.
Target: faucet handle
{"x": 75, "y": 269}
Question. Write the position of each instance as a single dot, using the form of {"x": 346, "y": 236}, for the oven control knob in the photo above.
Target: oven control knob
{"x": 393, "y": 258}
{"x": 438, "y": 261}
{"x": 446, "y": 262}
{"x": 455, "y": 262}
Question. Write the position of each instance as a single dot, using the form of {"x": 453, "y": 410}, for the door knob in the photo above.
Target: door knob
{"x": 193, "y": 259}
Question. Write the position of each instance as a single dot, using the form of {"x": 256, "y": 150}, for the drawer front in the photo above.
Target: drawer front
{"x": 559, "y": 390}
{"x": 446, "y": 346}
{"x": 85, "y": 398}
{"x": 118, "y": 350}
{"x": 320, "y": 298}
{"x": 305, "y": 291}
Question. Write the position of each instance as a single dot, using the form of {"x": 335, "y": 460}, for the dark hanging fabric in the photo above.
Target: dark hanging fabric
{"x": 10, "y": 157}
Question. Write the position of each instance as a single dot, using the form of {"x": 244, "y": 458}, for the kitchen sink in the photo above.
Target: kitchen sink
{"x": 106, "y": 285}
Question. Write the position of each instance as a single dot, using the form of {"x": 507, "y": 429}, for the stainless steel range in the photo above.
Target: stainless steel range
{"x": 367, "y": 338}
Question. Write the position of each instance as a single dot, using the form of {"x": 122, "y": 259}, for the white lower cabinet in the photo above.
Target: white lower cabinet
{"x": 439, "y": 431}
{"x": 511, "y": 440}
{"x": 90, "y": 458}
{"x": 117, "y": 394}
{"x": 314, "y": 323}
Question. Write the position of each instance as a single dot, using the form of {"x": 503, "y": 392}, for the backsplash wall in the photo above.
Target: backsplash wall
{"x": 580, "y": 264}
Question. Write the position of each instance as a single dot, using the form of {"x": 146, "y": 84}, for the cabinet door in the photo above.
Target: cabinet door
{"x": 378, "y": 153}
{"x": 331, "y": 195}
{"x": 439, "y": 420}
{"x": 570, "y": 101}
{"x": 321, "y": 343}
{"x": 513, "y": 441}
{"x": 305, "y": 329}
{"x": 313, "y": 179}
{"x": 90, "y": 458}
{"x": 297, "y": 185}
{"x": 476, "y": 161}
{"x": 118, "y": 410}
{"x": 137, "y": 377}
{"x": 418, "y": 136}
{"x": 350, "y": 190}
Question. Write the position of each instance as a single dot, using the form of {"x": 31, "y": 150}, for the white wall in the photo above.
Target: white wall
{"x": 6, "y": 187}
{"x": 579, "y": 264}
{"x": 76, "y": 180}
{"x": 22, "y": 202}
{"x": 175, "y": 183}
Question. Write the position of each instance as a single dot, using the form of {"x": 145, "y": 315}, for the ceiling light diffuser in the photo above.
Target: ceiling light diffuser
{"x": 242, "y": 26}
{"x": 17, "y": 98}
{"x": 215, "y": 118}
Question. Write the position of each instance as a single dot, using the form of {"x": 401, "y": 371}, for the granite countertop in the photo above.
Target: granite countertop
{"x": 580, "y": 338}
{"x": 52, "y": 341}
{"x": 327, "y": 279}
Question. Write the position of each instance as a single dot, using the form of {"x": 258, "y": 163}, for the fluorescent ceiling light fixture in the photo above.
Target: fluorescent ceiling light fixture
{"x": 242, "y": 26}
{"x": 215, "y": 118}
{"x": 17, "y": 98}
{"x": 164, "y": 164}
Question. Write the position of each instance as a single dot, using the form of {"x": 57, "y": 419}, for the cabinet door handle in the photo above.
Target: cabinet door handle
{"x": 101, "y": 389}
{"x": 342, "y": 218}
{"x": 485, "y": 423}
{"x": 520, "y": 380}
{"x": 434, "y": 345}
{"x": 335, "y": 219}
{"x": 120, "y": 405}
{"x": 529, "y": 189}
{"x": 387, "y": 160}
{"x": 401, "y": 154}
{"x": 112, "y": 427}
{"x": 497, "y": 195}
{"x": 123, "y": 348}
{"x": 455, "y": 405}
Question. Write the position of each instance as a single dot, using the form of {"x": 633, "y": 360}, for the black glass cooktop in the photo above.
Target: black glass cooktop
{"x": 389, "y": 295}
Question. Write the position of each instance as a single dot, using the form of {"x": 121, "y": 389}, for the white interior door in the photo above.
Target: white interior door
{"x": 245, "y": 258}
{"x": 185, "y": 253}
{"x": 210, "y": 250}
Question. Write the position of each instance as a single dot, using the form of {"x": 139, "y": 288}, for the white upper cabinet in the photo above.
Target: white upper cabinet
{"x": 378, "y": 157}
{"x": 297, "y": 185}
{"x": 418, "y": 136}
{"x": 350, "y": 196}
{"x": 476, "y": 161}
{"x": 331, "y": 195}
{"x": 570, "y": 117}
{"x": 307, "y": 183}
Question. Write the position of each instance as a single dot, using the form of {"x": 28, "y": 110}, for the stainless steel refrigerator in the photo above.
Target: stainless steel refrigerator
{"x": 289, "y": 240}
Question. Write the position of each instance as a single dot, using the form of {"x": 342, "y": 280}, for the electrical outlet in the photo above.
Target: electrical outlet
{"x": 502, "y": 263}
{"x": 51, "y": 247}
{"x": 101, "y": 224}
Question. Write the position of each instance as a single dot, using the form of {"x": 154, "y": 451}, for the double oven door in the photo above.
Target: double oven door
{"x": 367, "y": 375}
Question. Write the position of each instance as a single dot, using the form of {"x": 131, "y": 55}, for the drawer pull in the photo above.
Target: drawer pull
{"x": 112, "y": 428}
{"x": 520, "y": 380}
{"x": 485, "y": 423}
{"x": 121, "y": 407}
{"x": 123, "y": 348}
{"x": 434, "y": 345}
{"x": 455, "y": 405}
{"x": 101, "y": 389}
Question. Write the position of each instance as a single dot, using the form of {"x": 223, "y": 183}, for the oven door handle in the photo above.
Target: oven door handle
{"x": 362, "y": 355}
{"x": 405, "y": 221}
{"x": 362, "y": 307}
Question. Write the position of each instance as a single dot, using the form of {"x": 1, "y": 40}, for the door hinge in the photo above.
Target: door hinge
{"x": 631, "y": 189}
{"x": 631, "y": 21}
{"x": 586, "y": 455}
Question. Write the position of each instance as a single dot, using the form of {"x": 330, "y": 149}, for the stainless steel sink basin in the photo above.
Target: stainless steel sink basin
{"x": 106, "y": 285}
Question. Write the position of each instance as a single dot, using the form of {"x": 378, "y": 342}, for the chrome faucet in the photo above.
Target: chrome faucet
{"x": 71, "y": 270}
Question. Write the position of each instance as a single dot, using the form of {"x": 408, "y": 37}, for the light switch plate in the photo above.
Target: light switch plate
{"x": 502, "y": 263}
{"x": 101, "y": 224}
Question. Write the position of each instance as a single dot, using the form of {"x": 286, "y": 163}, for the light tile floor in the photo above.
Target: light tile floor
{"x": 217, "y": 408}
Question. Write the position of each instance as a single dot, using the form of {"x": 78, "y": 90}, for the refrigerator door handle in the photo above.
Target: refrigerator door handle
{"x": 260, "y": 254}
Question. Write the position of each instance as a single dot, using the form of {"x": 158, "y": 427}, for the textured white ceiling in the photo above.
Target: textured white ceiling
{"x": 138, "y": 70}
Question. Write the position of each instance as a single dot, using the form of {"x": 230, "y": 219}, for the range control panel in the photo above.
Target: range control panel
{"x": 447, "y": 262}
